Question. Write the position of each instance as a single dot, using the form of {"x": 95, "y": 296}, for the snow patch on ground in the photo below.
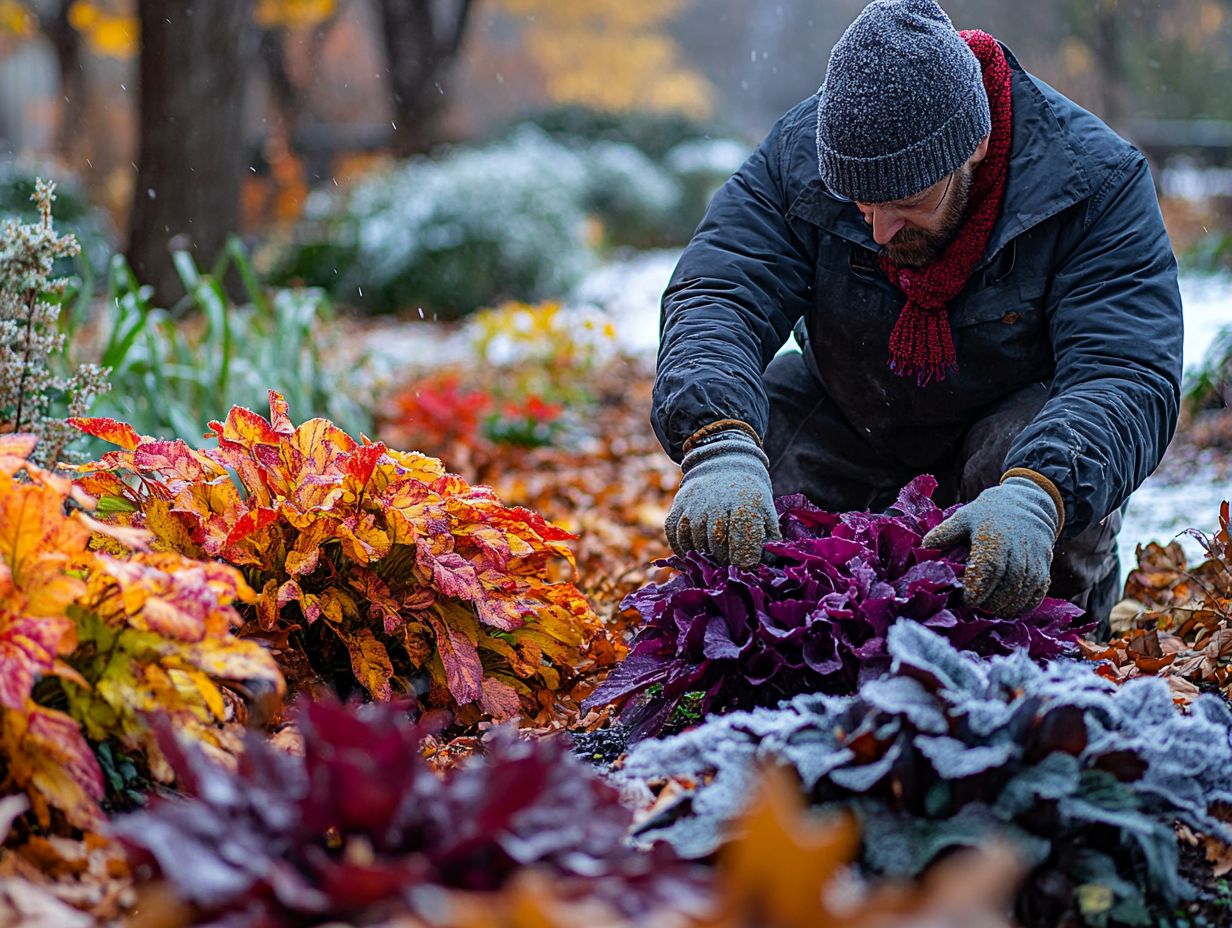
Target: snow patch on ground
{"x": 628, "y": 291}
{"x": 1161, "y": 509}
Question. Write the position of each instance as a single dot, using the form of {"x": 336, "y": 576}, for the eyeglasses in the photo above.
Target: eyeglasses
{"x": 919, "y": 208}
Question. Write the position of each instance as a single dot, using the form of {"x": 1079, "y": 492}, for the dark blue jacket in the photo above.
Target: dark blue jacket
{"x": 1077, "y": 289}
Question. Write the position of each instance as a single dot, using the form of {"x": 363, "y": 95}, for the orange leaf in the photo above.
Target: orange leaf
{"x": 499, "y": 699}
{"x": 778, "y": 868}
{"x": 370, "y": 663}
{"x": 269, "y": 605}
{"x": 48, "y": 757}
{"x": 109, "y": 430}
{"x": 280, "y": 414}
{"x": 245, "y": 428}
{"x": 32, "y": 523}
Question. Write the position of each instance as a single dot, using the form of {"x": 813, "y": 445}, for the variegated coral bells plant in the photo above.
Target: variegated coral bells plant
{"x": 372, "y": 564}
{"x": 96, "y": 632}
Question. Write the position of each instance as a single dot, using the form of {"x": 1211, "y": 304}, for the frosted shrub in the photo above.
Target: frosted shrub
{"x": 636, "y": 200}
{"x": 1085, "y": 778}
{"x": 516, "y": 219}
{"x": 456, "y": 233}
{"x": 34, "y": 396}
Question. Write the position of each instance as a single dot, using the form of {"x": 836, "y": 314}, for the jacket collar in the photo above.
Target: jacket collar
{"x": 1045, "y": 175}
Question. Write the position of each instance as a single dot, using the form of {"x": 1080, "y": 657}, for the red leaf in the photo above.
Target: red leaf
{"x": 361, "y": 464}
{"x": 252, "y": 521}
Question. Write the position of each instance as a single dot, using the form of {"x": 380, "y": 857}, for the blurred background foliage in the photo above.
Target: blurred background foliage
{"x": 318, "y": 94}
{"x": 432, "y": 157}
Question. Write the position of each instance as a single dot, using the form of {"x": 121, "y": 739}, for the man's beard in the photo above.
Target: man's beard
{"x": 921, "y": 247}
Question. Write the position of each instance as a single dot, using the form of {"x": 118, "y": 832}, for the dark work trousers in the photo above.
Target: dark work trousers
{"x": 814, "y": 450}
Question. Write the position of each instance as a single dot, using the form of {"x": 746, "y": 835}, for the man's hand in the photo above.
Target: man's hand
{"x": 1011, "y": 529}
{"x": 724, "y": 506}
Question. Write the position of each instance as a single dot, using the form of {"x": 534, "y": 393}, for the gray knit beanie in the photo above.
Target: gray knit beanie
{"x": 903, "y": 103}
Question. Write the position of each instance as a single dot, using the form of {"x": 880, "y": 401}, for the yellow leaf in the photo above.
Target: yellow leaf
{"x": 84, "y": 16}
{"x": 292, "y": 14}
{"x": 236, "y": 659}
{"x": 363, "y": 540}
{"x": 370, "y": 663}
{"x": 336, "y": 605}
{"x": 193, "y": 684}
{"x": 171, "y": 529}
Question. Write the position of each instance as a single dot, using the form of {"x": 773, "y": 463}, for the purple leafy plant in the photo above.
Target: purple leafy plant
{"x": 813, "y": 619}
{"x": 360, "y": 828}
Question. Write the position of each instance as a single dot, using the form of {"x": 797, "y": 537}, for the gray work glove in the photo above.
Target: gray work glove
{"x": 724, "y": 506}
{"x": 1011, "y": 529}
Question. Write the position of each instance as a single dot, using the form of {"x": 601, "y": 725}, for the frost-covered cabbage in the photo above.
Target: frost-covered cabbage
{"x": 1087, "y": 779}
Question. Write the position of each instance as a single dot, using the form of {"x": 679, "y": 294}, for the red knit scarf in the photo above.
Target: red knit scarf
{"x": 921, "y": 345}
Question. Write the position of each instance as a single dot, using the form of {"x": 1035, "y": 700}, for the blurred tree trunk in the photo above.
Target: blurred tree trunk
{"x": 423, "y": 39}
{"x": 67, "y": 43}
{"x": 195, "y": 63}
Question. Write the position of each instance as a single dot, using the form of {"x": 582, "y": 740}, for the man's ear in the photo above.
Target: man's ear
{"x": 980, "y": 151}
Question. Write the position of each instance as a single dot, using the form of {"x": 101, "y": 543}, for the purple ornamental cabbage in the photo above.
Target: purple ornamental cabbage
{"x": 814, "y": 619}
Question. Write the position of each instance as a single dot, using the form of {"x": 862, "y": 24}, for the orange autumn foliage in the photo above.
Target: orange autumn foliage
{"x": 116, "y": 634}
{"x": 369, "y": 562}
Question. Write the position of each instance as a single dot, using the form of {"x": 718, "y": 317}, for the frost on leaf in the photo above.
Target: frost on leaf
{"x": 1085, "y": 778}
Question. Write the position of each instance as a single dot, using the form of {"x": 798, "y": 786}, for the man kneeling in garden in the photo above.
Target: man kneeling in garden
{"x": 979, "y": 278}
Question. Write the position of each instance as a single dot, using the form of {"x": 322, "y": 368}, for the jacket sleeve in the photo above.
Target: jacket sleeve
{"x": 1116, "y": 327}
{"x": 741, "y": 283}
